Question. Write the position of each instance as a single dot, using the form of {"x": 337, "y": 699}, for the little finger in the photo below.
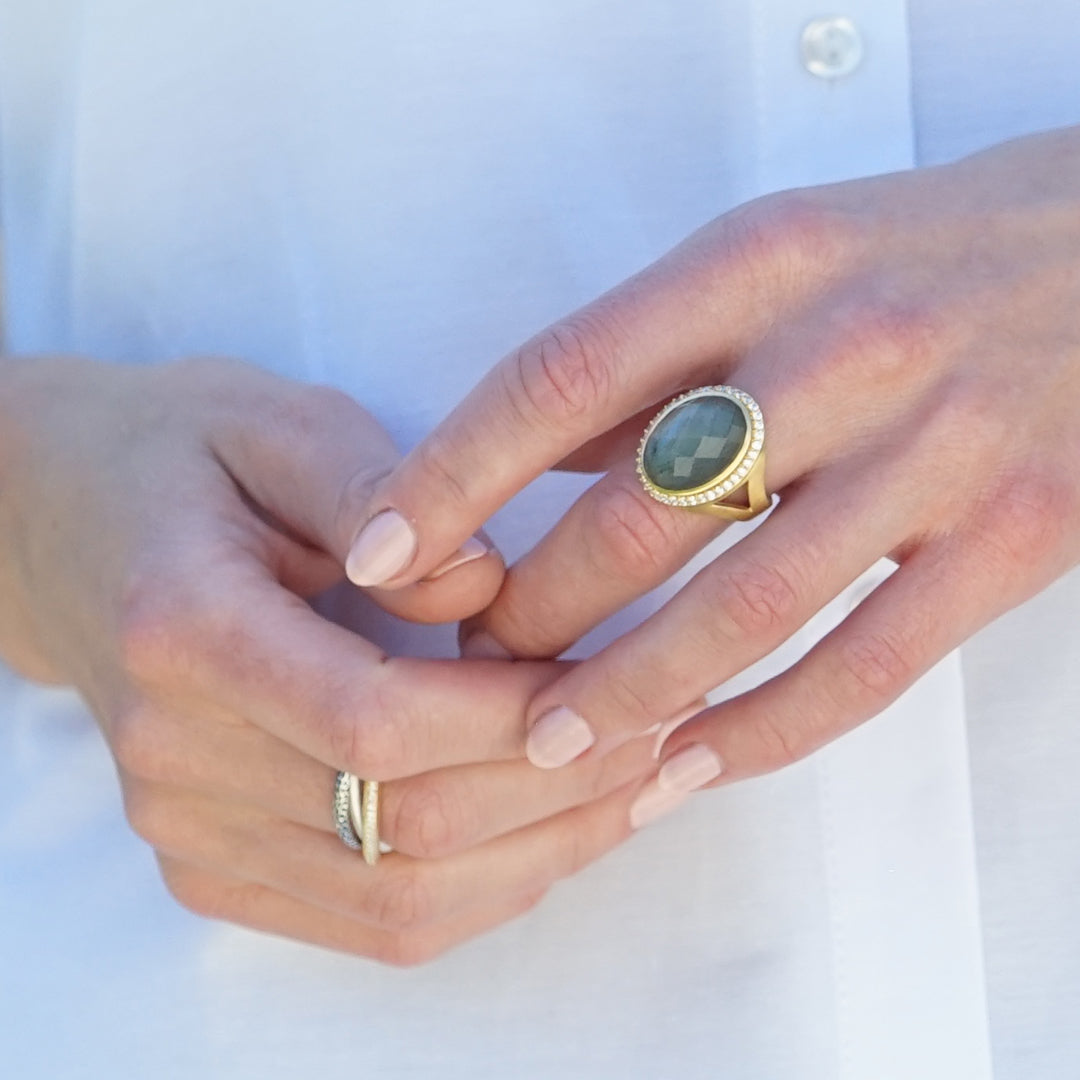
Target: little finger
{"x": 400, "y": 893}
{"x": 221, "y": 896}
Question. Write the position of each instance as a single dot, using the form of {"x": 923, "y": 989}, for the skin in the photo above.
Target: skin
{"x": 160, "y": 532}
{"x": 914, "y": 342}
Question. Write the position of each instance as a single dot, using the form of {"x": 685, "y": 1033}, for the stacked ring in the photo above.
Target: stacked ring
{"x": 356, "y": 815}
{"x": 703, "y": 448}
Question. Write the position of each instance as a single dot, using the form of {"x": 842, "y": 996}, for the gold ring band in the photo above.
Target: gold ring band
{"x": 369, "y": 822}
{"x": 704, "y": 450}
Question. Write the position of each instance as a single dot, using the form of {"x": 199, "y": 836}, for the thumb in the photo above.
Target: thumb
{"x": 309, "y": 457}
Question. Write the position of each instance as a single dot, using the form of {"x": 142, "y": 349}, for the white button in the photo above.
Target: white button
{"x": 831, "y": 47}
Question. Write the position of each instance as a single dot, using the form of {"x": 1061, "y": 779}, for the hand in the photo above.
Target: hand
{"x": 914, "y": 341}
{"x": 159, "y": 529}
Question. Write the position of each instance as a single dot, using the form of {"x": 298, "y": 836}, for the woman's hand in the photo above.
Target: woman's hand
{"x": 159, "y": 531}
{"x": 914, "y": 342}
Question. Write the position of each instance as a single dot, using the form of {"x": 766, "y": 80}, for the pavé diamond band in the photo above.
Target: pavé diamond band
{"x": 342, "y": 817}
{"x": 705, "y": 450}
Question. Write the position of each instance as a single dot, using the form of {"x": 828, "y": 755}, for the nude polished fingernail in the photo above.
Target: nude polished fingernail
{"x": 559, "y": 736}
{"x": 654, "y": 803}
{"x": 689, "y": 769}
{"x": 474, "y": 548}
{"x": 383, "y": 548}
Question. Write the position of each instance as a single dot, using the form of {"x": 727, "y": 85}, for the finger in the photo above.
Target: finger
{"x": 239, "y": 640}
{"x": 940, "y": 596}
{"x": 464, "y": 583}
{"x": 308, "y": 458}
{"x": 676, "y": 324}
{"x": 400, "y": 893}
{"x": 450, "y": 811}
{"x": 614, "y": 544}
{"x": 732, "y": 613}
{"x": 428, "y": 816}
{"x": 221, "y": 896}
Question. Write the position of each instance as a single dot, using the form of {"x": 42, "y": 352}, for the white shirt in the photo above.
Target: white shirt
{"x": 388, "y": 197}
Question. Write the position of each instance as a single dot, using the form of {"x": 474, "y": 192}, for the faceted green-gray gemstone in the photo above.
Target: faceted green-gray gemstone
{"x": 695, "y": 442}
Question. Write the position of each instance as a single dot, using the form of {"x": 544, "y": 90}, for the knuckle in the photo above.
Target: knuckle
{"x": 780, "y": 743}
{"x": 564, "y": 373}
{"x": 433, "y": 458}
{"x": 428, "y": 821}
{"x": 638, "y": 696}
{"x": 401, "y": 901}
{"x": 881, "y": 339}
{"x": 877, "y": 665}
{"x": 147, "y": 633}
{"x": 135, "y": 737}
{"x": 168, "y": 631}
{"x": 365, "y": 728}
{"x": 149, "y": 815}
{"x": 198, "y": 893}
{"x": 1024, "y": 526}
{"x": 786, "y": 235}
{"x": 635, "y": 536}
{"x": 756, "y": 599}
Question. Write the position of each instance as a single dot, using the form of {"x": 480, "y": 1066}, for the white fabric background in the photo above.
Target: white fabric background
{"x": 388, "y": 197}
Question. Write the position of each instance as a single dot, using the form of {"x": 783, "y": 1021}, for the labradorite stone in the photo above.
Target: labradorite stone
{"x": 694, "y": 442}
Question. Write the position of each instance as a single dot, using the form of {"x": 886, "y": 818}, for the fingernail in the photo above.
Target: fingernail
{"x": 668, "y": 726}
{"x": 384, "y": 547}
{"x": 558, "y": 737}
{"x": 653, "y": 803}
{"x": 482, "y": 646}
{"x": 691, "y": 767}
{"x": 473, "y": 549}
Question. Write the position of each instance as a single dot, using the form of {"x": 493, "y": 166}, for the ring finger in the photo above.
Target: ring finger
{"x": 401, "y": 893}
{"x": 432, "y": 815}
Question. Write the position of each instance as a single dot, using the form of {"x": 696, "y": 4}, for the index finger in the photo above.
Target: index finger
{"x": 674, "y": 324}
{"x": 254, "y": 648}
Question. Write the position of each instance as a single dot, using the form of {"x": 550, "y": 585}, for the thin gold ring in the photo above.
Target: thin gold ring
{"x": 705, "y": 450}
{"x": 369, "y": 822}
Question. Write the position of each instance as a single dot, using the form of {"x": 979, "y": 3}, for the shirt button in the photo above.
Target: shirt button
{"x": 831, "y": 47}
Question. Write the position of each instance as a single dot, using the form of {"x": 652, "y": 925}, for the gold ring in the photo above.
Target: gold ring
{"x": 369, "y": 822}
{"x": 356, "y": 815}
{"x": 704, "y": 450}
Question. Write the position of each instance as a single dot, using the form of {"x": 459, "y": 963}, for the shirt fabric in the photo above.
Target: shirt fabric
{"x": 388, "y": 197}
